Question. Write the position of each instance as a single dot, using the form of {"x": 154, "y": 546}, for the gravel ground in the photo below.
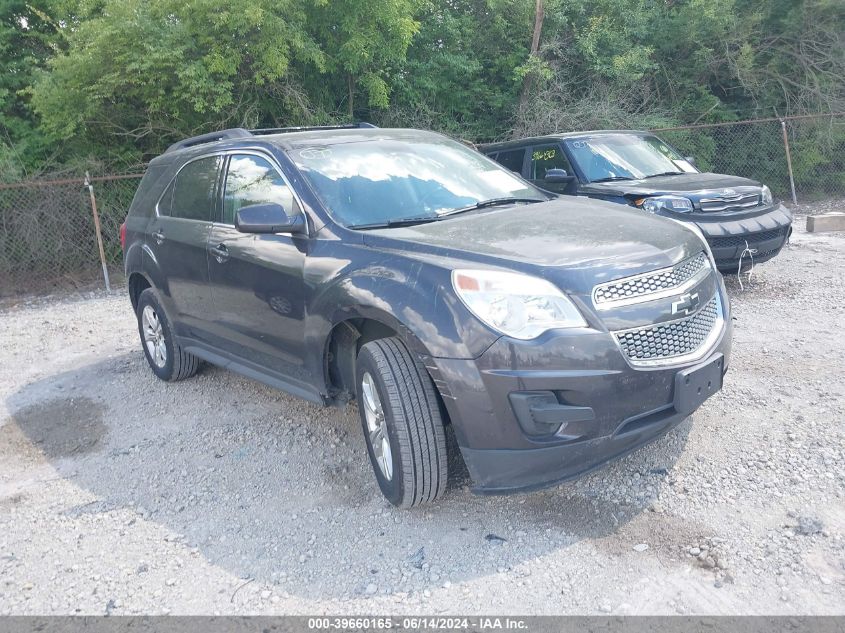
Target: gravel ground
{"x": 121, "y": 494}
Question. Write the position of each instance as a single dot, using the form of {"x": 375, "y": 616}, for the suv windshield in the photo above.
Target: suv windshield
{"x": 625, "y": 157}
{"x": 389, "y": 181}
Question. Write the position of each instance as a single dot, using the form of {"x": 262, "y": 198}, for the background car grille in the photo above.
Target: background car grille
{"x": 732, "y": 203}
{"x": 650, "y": 283}
{"x": 733, "y": 241}
{"x": 668, "y": 340}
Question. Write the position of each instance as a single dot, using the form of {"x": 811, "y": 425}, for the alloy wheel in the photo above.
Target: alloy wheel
{"x": 376, "y": 426}
{"x": 154, "y": 336}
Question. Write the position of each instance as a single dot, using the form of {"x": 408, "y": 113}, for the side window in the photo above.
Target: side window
{"x": 253, "y": 180}
{"x": 545, "y": 157}
{"x": 194, "y": 190}
{"x": 512, "y": 159}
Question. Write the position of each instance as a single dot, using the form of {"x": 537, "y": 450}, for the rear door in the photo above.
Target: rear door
{"x": 513, "y": 159}
{"x": 178, "y": 237}
{"x": 257, "y": 281}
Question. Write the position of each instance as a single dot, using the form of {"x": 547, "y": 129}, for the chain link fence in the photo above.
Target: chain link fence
{"x": 48, "y": 238}
{"x": 802, "y": 159}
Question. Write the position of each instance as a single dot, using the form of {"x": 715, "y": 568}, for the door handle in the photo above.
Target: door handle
{"x": 158, "y": 236}
{"x": 220, "y": 252}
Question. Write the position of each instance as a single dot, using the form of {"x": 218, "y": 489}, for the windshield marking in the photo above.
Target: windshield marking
{"x": 625, "y": 156}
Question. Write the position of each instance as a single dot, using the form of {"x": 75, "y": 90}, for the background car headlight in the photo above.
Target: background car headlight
{"x": 766, "y": 196}
{"x": 514, "y": 304}
{"x": 677, "y": 204}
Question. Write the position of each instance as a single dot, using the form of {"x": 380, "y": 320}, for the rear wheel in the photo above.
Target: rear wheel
{"x": 402, "y": 422}
{"x": 165, "y": 357}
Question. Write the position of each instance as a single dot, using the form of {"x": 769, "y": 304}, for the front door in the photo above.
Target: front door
{"x": 544, "y": 158}
{"x": 178, "y": 236}
{"x": 257, "y": 281}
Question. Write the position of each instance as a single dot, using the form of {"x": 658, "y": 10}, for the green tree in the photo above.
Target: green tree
{"x": 793, "y": 61}
{"x": 460, "y": 73}
{"x": 29, "y": 37}
{"x": 119, "y": 79}
{"x": 141, "y": 73}
{"x": 363, "y": 44}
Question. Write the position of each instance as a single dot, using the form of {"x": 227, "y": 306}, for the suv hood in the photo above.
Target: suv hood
{"x": 575, "y": 242}
{"x": 696, "y": 184}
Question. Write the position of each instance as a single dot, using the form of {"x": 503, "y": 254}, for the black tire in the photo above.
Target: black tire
{"x": 413, "y": 420}
{"x": 178, "y": 364}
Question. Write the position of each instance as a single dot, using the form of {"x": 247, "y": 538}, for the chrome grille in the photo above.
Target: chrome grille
{"x": 668, "y": 341}
{"x": 641, "y": 287}
{"x": 730, "y": 203}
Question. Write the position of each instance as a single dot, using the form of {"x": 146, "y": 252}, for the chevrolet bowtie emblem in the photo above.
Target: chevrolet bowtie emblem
{"x": 686, "y": 304}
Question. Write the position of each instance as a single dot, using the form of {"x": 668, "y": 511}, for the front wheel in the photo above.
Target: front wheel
{"x": 402, "y": 423}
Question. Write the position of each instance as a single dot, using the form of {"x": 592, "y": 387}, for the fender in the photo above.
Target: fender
{"x": 155, "y": 276}
{"x": 409, "y": 299}
{"x": 133, "y": 259}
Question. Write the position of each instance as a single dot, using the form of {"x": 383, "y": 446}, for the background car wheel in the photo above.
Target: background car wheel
{"x": 166, "y": 358}
{"x": 402, "y": 423}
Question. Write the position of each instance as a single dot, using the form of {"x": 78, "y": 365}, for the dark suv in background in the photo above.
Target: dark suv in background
{"x": 403, "y": 270}
{"x": 739, "y": 217}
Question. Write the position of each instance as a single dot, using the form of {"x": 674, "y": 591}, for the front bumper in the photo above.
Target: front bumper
{"x": 613, "y": 408}
{"x": 764, "y": 235}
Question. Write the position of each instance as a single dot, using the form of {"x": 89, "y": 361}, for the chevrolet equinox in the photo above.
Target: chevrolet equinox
{"x": 410, "y": 273}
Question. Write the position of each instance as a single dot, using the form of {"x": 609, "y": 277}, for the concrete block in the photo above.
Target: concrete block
{"x": 826, "y": 222}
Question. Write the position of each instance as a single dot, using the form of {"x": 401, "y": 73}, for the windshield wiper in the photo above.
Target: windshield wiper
{"x": 666, "y": 173}
{"x": 612, "y": 178}
{"x": 492, "y": 202}
{"x": 395, "y": 223}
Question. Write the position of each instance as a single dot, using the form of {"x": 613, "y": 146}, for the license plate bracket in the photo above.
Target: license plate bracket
{"x": 695, "y": 384}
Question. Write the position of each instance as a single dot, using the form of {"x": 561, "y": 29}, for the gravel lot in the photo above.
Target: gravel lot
{"x": 121, "y": 494}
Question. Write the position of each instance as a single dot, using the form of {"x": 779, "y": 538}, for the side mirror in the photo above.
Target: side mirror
{"x": 558, "y": 175}
{"x": 691, "y": 161}
{"x": 268, "y": 218}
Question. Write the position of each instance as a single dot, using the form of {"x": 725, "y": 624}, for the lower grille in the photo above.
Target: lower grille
{"x": 734, "y": 241}
{"x": 668, "y": 341}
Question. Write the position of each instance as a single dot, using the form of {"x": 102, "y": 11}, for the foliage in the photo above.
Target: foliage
{"x": 460, "y": 74}
{"x": 23, "y": 52}
{"x": 363, "y": 43}
{"x": 144, "y": 72}
{"x": 118, "y": 80}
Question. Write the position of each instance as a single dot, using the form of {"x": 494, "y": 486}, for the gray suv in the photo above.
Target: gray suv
{"x": 409, "y": 273}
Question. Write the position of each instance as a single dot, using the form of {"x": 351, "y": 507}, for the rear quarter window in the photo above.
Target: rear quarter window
{"x": 147, "y": 194}
{"x": 165, "y": 203}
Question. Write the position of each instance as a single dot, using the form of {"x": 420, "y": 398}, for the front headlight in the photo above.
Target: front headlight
{"x": 514, "y": 304}
{"x": 766, "y": 196}
{"x": 676, "y": 204}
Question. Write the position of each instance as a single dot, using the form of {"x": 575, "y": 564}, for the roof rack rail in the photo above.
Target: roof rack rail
{"x": 235, "y": 132}
{"x": 239, "y": 132}
{"x": 308, "y": 128}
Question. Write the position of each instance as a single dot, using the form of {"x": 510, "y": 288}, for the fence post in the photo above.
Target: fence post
{"x": 788, "y": 161}
{"x": 99, "y": 232}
